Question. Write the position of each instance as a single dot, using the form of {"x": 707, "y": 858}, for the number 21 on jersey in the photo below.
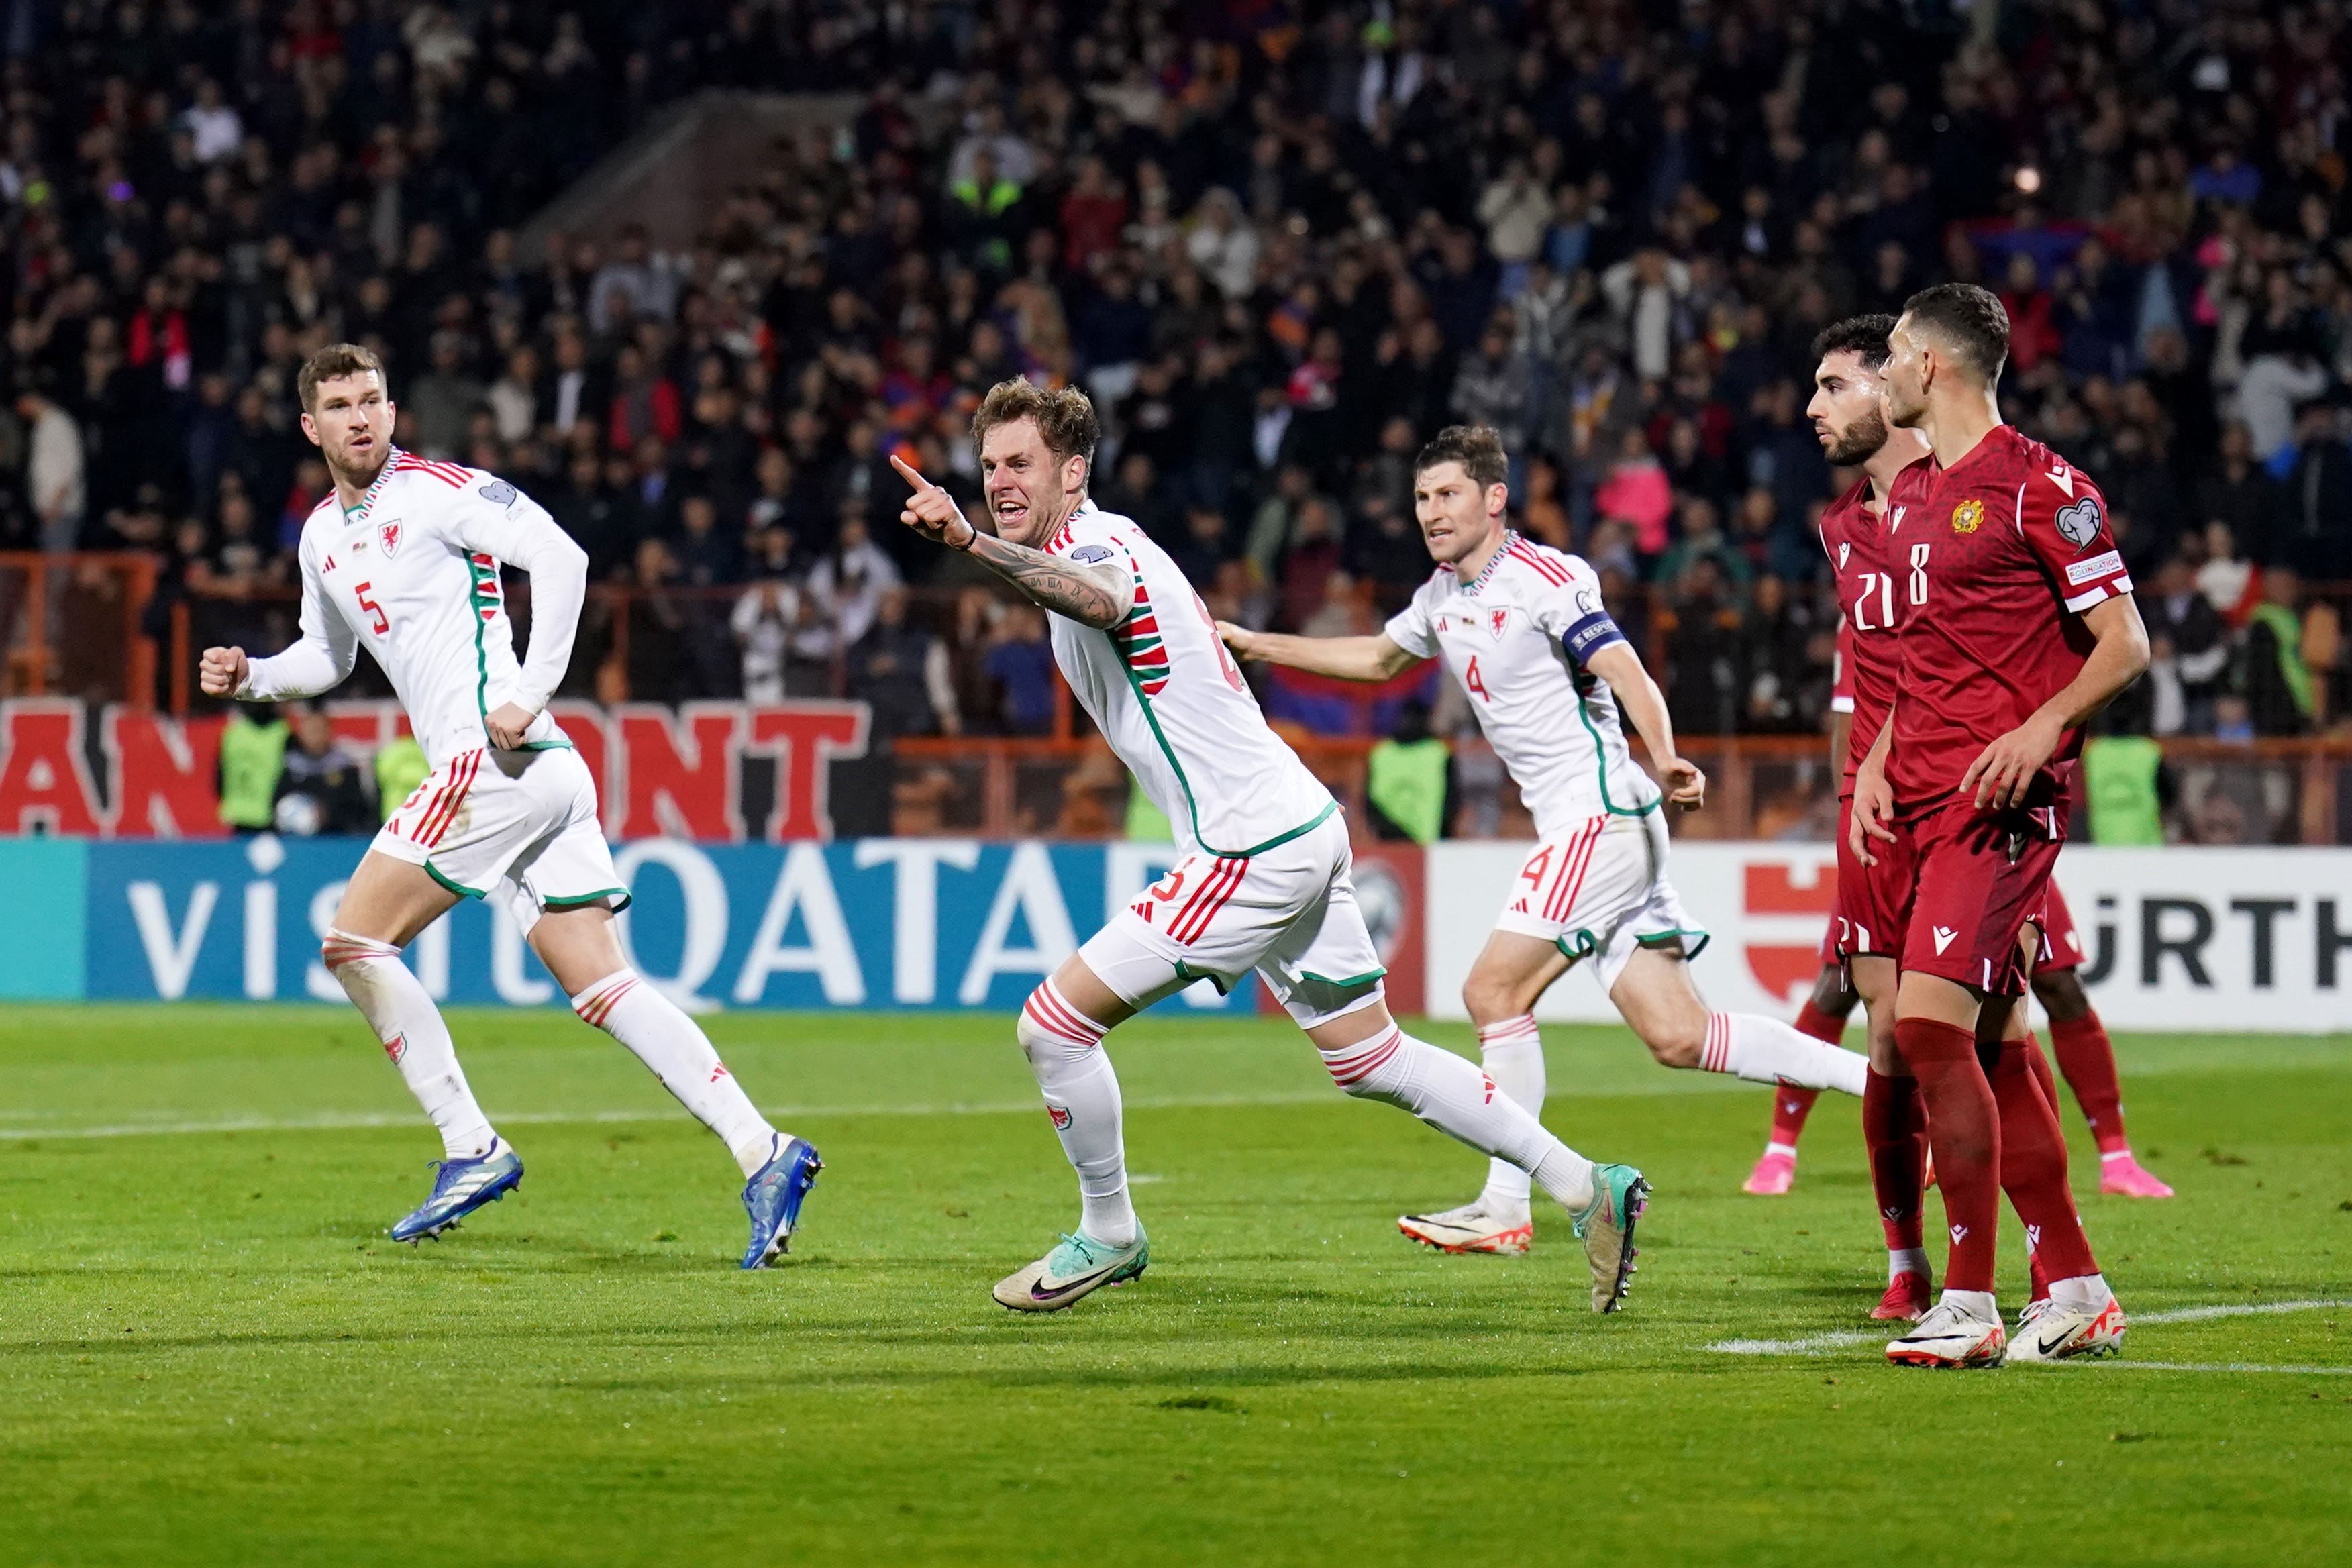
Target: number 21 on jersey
{"x": 1876, "y": 592}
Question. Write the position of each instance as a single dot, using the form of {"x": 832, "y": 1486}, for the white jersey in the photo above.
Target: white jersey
{"x": 1517, "y": 639}
{"x": 1172, "y": 704}
{"x": 412, "y": 574}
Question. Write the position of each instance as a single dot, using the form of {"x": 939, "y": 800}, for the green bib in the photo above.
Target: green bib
{"x": 1407, "y": 782}
{"x": 2119, "y": 773}
{"x": 251, "y": 758}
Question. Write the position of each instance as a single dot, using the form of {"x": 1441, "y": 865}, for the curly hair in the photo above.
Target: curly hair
{"x": 1064, "y": 416}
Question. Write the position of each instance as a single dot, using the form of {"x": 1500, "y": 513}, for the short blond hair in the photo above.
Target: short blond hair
{"x": 1064, "y": 416}
{"x": 332, "y": 363}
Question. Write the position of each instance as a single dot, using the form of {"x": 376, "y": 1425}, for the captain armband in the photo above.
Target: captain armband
{"x": 1589, "y": 635}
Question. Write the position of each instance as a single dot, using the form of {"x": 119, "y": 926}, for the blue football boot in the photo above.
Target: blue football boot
{"x": 772, "y": 1198}
{"x": 460, "y": 1187}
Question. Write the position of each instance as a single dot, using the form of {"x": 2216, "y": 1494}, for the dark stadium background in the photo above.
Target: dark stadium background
{"x": 689, "y": 273}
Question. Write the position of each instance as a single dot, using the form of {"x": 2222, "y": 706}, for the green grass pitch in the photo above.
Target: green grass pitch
{"x": 210, "y": 1354}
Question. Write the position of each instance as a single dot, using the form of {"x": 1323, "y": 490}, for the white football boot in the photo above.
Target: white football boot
{"x": 1474, "y": 1227}
{"x": 1951, "y": 1335}
{"x": 2050, "y": 1331}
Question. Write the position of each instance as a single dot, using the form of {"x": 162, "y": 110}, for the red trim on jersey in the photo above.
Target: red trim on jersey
{"x": 1550, "y": 572}
{"x": 449, "y": 473}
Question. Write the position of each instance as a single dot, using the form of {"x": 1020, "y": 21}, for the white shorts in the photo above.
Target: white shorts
{"x": 520, "y": 824}
{"x": 1288, "y": 912}
{"x": 1600, "y": 892}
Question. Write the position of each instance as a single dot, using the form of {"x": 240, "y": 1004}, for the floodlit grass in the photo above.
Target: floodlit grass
{"x": 210, "y": 1354}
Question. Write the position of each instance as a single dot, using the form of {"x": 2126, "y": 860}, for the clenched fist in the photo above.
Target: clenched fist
{"x": 221, "y": 672}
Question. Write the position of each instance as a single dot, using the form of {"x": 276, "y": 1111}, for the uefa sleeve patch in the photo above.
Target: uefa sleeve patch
{"x": 2090, "y": 571}
{"x": 498, "y": 493}
{"x": 1090, "y": 555}
{"x": 2078, "y": 525}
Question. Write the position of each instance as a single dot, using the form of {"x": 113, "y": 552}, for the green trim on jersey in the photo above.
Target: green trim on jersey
{"x": 1192, "y": 806}
{"x": 476, "y": 600}
{"x": 561, "y": 743}
{"x": 457, "y": 888}
{"x": 1600, "y": 768}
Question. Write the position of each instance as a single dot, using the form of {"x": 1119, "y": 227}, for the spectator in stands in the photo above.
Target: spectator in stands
{"x": 321, "y": 788}
{"x": 844, "y": 589}
{"x": 2189, "y": 650}
{"x": 1297, "y": 245}
{"x": 901, "y": 672}
{"x": 2277, "y": 685}
{"x": 763, "y": 622}
{"x": 2237, "y": 492}
{"x": 2313, "y": 534}
{"x": 1021, "y": 662}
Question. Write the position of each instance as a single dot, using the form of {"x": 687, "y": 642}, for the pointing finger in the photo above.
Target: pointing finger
{"x": 909, "y": 473}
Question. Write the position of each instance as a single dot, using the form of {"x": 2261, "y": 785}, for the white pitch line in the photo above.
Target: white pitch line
{"x": 2118, "y": 1365}
{"x": 339, "y": 1121}
{"x": 1811, "y": 1343}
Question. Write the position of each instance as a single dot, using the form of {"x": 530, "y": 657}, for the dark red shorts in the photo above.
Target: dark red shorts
{"x": 1866, "y": 921}
{"x": 1976, "y": 878}
{"x": 2062, "y": 945}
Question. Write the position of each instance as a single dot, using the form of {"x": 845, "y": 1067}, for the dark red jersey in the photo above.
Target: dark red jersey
{"x": 2009, "y": 547}
{"x": 1873, "y": 596}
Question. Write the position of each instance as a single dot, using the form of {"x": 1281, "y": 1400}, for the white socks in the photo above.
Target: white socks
{"x": 1902, "y": 1261}
{"x": 2084, "y": 1292}
{"x": 1766, "y": 1051}
{"x": 400, "y": 1009}
{"x": 678, "y": 1053}
{"x": 1461, "y": 1101}
{"x": 1512, "y": 1053}
{"x": 1065, "y": 1051}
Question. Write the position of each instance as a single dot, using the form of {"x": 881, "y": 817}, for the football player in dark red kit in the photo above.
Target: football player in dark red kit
{"x": 2022, "y": 628}
{"x": 1876, "y": 590}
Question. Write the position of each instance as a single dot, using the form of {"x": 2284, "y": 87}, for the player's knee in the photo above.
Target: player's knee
{"x": 1047, "y": 1030}
{"x": 1676, "y": 1042}
{"x": 1488, "y": 998}
{"x": 341, "y": 948}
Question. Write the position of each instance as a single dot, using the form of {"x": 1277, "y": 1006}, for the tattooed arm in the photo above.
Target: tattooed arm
{"x": 1096, "y": 595}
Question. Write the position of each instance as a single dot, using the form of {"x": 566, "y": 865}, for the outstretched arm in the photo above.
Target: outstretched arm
{"x": 1374, "y": 658}
{"x": 318, "y": 663}
{"x": 1618, "y": 664}
{"x": 1095, "y": 595}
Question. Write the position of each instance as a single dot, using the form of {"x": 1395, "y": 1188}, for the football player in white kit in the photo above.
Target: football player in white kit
{"x": 404, "y": 559}
{"x": 1262, "y": 879}
{"x": 1523, "y": 628}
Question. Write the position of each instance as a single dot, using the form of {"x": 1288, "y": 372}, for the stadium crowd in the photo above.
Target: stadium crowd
{"x": 1281, "y": 243}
